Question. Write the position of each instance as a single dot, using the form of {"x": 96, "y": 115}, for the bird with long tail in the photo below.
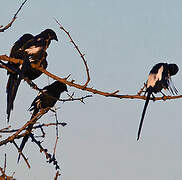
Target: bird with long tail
{"x": 32, "y": 50}
{"x": 47, "y": 98}
{"x": 159, "y": 78}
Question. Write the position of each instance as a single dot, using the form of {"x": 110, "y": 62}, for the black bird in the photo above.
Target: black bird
{"x": 13, "y": 77}
{"x": 39, "y": 42}
{"x": 32, "y": 50}
{"x": 159, "y": 78}
{"x": 46, "y": 98}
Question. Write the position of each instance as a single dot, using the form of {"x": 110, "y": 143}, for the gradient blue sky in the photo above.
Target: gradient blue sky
{"x": 122, "y": 40}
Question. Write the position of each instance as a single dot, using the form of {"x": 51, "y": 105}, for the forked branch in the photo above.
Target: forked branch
{"x": 32, "y": 121}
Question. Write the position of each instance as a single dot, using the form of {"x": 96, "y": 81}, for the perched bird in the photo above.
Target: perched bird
{"x": 159, "y": 78}
{"x": 31, "y": 49}
{"x": 13, "y": 77}
{"x": 47, "y": 98}
{"x": 39, "y": 42}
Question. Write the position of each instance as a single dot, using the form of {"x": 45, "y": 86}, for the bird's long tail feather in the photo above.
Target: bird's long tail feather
{"x": 143, "y": 115}
{"x": 29, "y": 129}
{"x": 13, "y": 84}
{"x": 11, "y": 92}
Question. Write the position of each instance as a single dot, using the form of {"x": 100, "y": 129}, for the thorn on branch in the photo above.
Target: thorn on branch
{"x": 66, "y": 78}
{"x": 51, "y": 158}
{"x": 71, "y": 98}
{"x": 63, "y": 124}
{"x": 142, "y": 89}
{"x": 114, "y": 93}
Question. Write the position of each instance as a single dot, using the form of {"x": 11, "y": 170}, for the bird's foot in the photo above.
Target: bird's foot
{"x": 163, "y": 95}
{"x": 153, "y": 97}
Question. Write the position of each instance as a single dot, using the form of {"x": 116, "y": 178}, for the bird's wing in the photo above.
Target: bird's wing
{"x": 154, "y": 77}
{"x": 10, "y": 90}
{"x": 34, "y": 45}
{"x": 37, "y": 101}
{"x": 20, "y": 43}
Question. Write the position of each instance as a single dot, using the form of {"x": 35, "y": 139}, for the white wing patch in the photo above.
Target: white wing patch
{"x": 33, "y": 50}
{"x": 38, "y": 101}
{"x": 39, "y": 39}
{"x": 159, "y": 73}
{"x": 40, "y": 93}
{"x": 153, "y": 78}
{"x": 32, "y": 60}
{"x": 20, "y": 66}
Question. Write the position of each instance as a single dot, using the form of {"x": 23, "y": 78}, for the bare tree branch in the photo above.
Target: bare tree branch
{"x": 54, "y": 152}
{"x": 51, "y": 158}
{"x": 3, "y": 175}
{"x": 81, "y": 54}
{"x": 57, "y": 175}
{"x": 94, "y": 91}
{"x": 32, "y": 121}
{"x": 5, "y": 162}
{"x": 7, "y": 130}
{"x": 13, "y": 19}
{"x": 71, "y": 98}
{"x": 21, "y": 153}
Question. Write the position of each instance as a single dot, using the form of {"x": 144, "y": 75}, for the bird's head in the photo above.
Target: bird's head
{"x": 62, "y": 86}
{"x": 173, "y": 69}
{"x": 51, "y": 34}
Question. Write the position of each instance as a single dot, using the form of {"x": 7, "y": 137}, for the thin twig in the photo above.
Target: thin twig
{"x": 142, "y": 89}
{"x": 21, "y": 153}
{"x": 57, "y": 175}
{"x": 5, "y": 162}
{"x": 57, "y": 129}
{"x": 32, "y": 121}
{"x": 13, "y": 19}
{"x": 54, "y": 152}
{"x": 51, "y": 159}
{"x": 77, "y": 48}
{"x": 7, "y": 130}
{"x": 4, "y": 176}
{"x": 76, "y": 99}
{"x": 3, "y": 173}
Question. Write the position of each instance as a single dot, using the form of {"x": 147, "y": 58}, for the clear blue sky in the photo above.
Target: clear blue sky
{"x": 122, "y": 40}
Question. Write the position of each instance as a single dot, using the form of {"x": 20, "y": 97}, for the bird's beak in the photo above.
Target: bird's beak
{"x": 55, "y": 38}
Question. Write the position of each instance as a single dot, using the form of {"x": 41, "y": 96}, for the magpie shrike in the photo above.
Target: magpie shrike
{"x": 47, "y": 98}
{"x": 13, "y": 77}
{"x": 31, "y": 49}
{"x": 39, "y": 42}
{"x": 159, "y": 78}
